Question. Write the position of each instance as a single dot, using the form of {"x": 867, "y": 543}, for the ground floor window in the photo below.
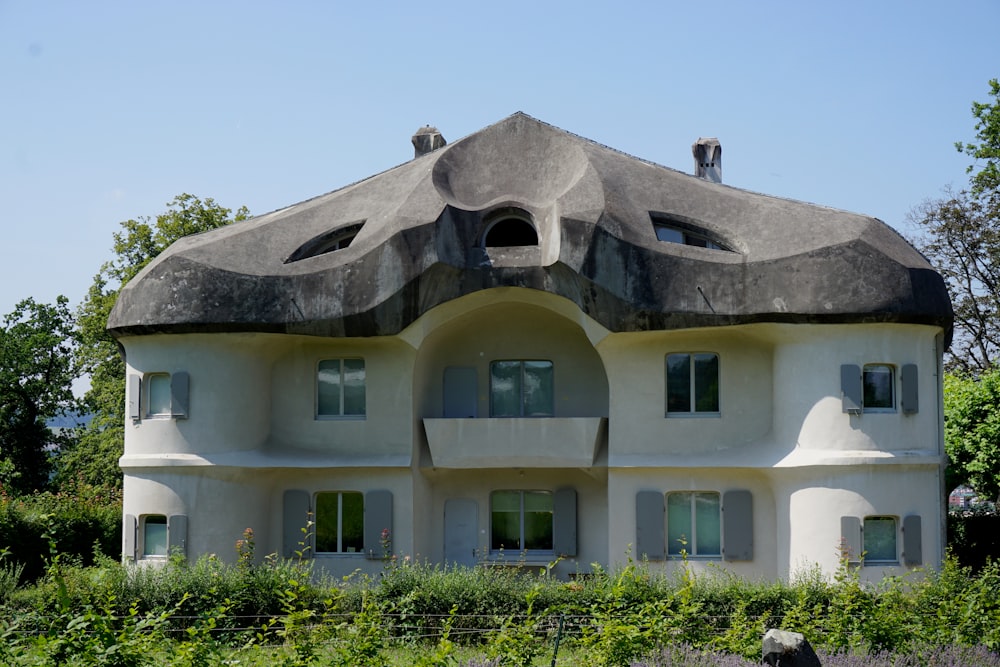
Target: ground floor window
{"x": 154, "y": 535}
{"x": 879, "y": 537}
{"x": 694, "y": 523}
{"x": 340, "y": 522}
{"x": 521, "y": 521}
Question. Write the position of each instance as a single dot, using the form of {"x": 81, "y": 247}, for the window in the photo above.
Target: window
{"x": 154, "y": 535}
{"x": 879, "y": 539}
{"x": 509, "y": 227}
{"x": 692, "y": 384}
{"x": 694, "y": 524}
{"x": 158, "y": 396}
{"x": 340, "y": 522}
{"x": 330, "y": 241}
{"x": 878, "y": 388}
{"x": 521, "y": 521}
{"x": 521, "y": 389}
{"x": 684, "y": 237}
{"x": 340, "y": 388}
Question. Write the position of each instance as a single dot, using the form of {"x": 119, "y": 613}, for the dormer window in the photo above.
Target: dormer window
{"x": 673, "y": 229}
{"x": 333, "y": 240}
{"x": 510, "y": 227}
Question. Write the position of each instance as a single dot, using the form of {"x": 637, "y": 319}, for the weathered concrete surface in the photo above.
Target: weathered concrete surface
{"x": 421, "y": 245}
{"x": 788, "y": 649}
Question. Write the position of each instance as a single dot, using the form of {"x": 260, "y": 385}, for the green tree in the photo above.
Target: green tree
{"x": 987, "y": 148}
{"x": 37, "y": 369}
{"x": 972, "y": 431}
{"x": 960, "y": 235}
{"x": 94, "y": 459}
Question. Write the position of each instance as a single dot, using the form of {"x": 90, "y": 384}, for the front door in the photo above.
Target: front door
{"x": 461, "y": 528}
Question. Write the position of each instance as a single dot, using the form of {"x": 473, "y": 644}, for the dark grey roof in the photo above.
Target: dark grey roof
{"x": 420, "y": 244}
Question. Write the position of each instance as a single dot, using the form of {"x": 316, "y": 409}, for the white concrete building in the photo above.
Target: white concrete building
{"x": 526, "y": 346}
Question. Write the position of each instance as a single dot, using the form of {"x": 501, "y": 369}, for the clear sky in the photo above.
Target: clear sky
{"x": 109, "y": 109}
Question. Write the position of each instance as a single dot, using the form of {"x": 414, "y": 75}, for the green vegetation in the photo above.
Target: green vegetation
{"x": 284, "y": 613}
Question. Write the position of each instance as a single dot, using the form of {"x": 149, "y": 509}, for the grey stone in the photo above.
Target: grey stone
{"x": 788, "y": 649}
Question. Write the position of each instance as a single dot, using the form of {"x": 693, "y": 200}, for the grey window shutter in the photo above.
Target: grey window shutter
{"x": 461, "y": 392}
{"x": 378, "y": 524}
{"x": 134, "y": 391}
{"x": 850, "y": 388}
{"x": 912, "y": 541}
{"x": 737, "y": 525}
{"x": 564, "y": 522}
{"x": 177, "y": 534}
{"x": 650, "y": 540}
{"x": 129, "y": 528}
{"x": 295, "y": 518}
{"x": 908, "y": 378}
{"x": 850, "y": 534}
{"x": 179, "y": 395}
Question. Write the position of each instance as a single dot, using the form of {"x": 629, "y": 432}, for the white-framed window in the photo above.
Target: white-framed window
{"x": 158, "y": 395}
{"x": 521, "y": 521}
{"x": 694, "y": 524}
{"x": 878, "y": 388}
{"x": 340, "y": 388}
{"x": 521, "y": 388}
{"x": 879, "y": 540}
{"x": 692, "y": 384}
{"x": 154, "y": 536}
{"x": 340, "y": 522}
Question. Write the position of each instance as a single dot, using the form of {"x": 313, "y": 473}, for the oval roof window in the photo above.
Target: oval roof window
{"x": 512, "y": 227}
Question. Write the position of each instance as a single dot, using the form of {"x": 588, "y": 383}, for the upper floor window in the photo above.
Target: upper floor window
{"x": 340, "y": 522}
{"x": 340, "y": 388}
{"x": 509, "y": 227}
{"x": 521, "y": 388}
{"x": 521, "y": 521}
{"x": 158, "y": 396}
{"x": 694, "y": 523}
{"x": 692, "y": 384}
{"x": 330, "y": 241}
{"x": 878, "y": 388}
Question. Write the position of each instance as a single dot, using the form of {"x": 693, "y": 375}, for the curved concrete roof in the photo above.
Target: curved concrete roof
{"x": 421, "y": 234}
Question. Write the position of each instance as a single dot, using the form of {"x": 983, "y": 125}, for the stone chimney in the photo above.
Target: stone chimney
{"x": 707, "y": 159}
{"x": 427, "y": 139}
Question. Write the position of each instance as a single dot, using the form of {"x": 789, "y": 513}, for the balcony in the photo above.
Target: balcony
{"x": 544, "y": 442}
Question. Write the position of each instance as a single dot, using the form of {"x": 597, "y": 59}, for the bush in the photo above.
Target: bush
{"x": 85, "y": 524}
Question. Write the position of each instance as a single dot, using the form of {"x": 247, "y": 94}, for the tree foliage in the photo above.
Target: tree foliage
{"x": 94, "y": 459}
{"x": 960, "y": 235}
{"x": 972, "y": 431}
{"x": 37, "y": 369}
{"x": 987, "y": 148}
{"x": 961, "y": 238}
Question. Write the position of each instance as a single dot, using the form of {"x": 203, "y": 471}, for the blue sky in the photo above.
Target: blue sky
{"x": 109, "y": 109}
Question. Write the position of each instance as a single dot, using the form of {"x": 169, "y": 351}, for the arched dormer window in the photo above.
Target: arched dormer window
{"x": 510, "y": 227}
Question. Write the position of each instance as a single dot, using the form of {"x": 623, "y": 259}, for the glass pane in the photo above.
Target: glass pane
{"x": 328, "y": 387}
{"x": 707, "y": 521}
{"x": 505, "y": 389}
{"x": 678, "y": 383}
{"x": 538, "y": 391}
{"x": 506, "y": 501}
{"x": 669, "y": 234}
{"x": 159, "y": 395}
{"x": 326, "y": 522}
{"x": 354, "y": 386}
{"x": 537, "y": 501}
{"x": 878, "y": 387}
{"x": 352, "y": 514}
{"x": 880, "y": 539}
{"x": 154, "y": 536}
{"x": 538, "y": 530}
{"x": 679, "y": 523}
{"x": 706, "y": 382}
{"x": 505, "y": 530}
